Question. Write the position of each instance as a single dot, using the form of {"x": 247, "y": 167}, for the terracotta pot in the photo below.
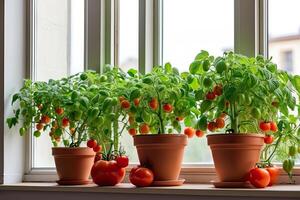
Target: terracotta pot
{"x": 235, "y": 154}
{"x": 73, "y": 165}
{"x": 162, "y": 154}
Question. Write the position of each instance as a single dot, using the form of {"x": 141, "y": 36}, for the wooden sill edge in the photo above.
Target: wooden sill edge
{"x": 186, "y": 189}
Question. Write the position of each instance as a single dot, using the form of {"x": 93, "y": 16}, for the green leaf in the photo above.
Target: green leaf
{"x": 202, "y": 123}
{"x": 15, "y": 98}
{"x": 135, "y": 93}
{"x": 195, "y": 66}
{"x": 132, "y": 72}
{"x": 168, "y": 68}
{"x": 205, "y": 106}
{"x": 202, "y": 55}
{"x": 84, "y": 101}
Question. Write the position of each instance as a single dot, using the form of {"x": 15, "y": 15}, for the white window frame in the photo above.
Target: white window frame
{"x": 102, "y": 24}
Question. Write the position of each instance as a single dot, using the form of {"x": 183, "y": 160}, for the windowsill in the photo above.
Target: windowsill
{"x": 207, "y": 190}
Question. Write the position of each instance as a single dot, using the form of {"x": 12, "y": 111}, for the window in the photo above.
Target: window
{"x": 59, "y": 51}
{"x": 284, "y": 34}
{"x": 195, "y": 25}
{"x": 188, "y": 28}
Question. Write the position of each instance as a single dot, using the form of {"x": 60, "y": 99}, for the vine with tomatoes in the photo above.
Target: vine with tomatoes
{"x": 238, "y": 94}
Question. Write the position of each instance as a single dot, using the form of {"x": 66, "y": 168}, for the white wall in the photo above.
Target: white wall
{"x": 14, "y": 73}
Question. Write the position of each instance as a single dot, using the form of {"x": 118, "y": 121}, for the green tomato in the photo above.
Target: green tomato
{"x": 207, "y": 82}
{"x": 206, "y": 65}
{"x": 83, "y": 76}
{"x": 255, "y": 112}
{"x": 288, "y": 165}
{"x": 103, "y": 78}
{"x": 37, "y": 134}
{"x": 292, "y": 150}
{"x": 221, "y": 66}
{"x": 22, "y": 131}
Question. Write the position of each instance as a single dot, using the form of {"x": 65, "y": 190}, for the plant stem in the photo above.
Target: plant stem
{"x": 159, "y": 114}
{"x": 116, "y": 133}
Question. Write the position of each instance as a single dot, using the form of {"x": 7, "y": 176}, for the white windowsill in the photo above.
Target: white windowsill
{"x": 287, "y": 191}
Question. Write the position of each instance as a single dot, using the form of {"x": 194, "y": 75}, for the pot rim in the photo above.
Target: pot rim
{"x": 69, "y": 147}
{"x": 235, "y": 135}
{"x": 161, "y": 135}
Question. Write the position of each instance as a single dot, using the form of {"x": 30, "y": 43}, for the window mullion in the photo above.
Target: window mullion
{"x": 246, "y": 27}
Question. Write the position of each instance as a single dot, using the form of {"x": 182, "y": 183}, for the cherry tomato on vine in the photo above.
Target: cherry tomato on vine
{"x": 125, "y": 104}
{"x": 141, "y": 176}
{"x": 292, "y": 150}
{"x": 65, "y": 122}
{"x": 121, "y": 98}
{"x": 136, "y": 102}
{"x": 210, "y": 96}
{"x": 199, "y": 133}
{"x": 97, "y": 148}
{"x": 45, "y": 119}
{"x": 39, "y": 126}
{"x": 268, "y": 139}
{"x": 274, "y": 173}
{"x": 144, "y": 128}
{"x": 265, "y": 126}
{"x": 167, "y": 108}
{"x": 189, "y": 131}
{"x": 91, "y": 143}
{"x": 132, "y": 131}
{"x": 37, "y": 134}
{"x": 153, "y": 104}
{"x": 273, "y": 126}
{"x": 220, "y": 123}
{"x": 218, "y": 90}
{"x": 259, "y": 177}
{"x": 122, "y": 161}
{"x": 59, "y": 111}
{"x": 211, "y": 126}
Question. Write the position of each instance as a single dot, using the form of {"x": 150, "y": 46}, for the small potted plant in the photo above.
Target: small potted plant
{"x": 65, "y": 109}
{"x": 110, "y": 161}
{"x": 237, "y": 98}
{"x": 158, "y": 102}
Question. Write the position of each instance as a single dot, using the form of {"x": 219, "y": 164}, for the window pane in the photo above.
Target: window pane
{"x": 193, "y": 25}
{"x": 128, "y": 55}
{"x": 128, "y": 34}
{"x": 284, "y": 34}
{"x": 188, "y": 28}
{"x": 59, "y": 38}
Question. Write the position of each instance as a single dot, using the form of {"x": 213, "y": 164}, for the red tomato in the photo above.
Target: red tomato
{"x": 265, "y": 126}
{"x": 65, "y": 122}
{"x": 97, "y": 148}
{"x": 268, "y": 139}
{"x": 259, "y": 177}
{"x": 144, "y": 128}
{"x": 136, "y": 102}
{"x": 274, "y": 173}
{"x": 141, "y": 176}
{"x": 210, "y": 96}
{"x": 189, "y": 131}
{"x": 132, "y": 131}
{"x": 218, "y": 90}
{"x": 153, "y": 104}
{"x": 179, "y": 118}
{"x": 211, "y": 126}
{"x": 125, "y": 104}
{"x": 59, "y": 111}
{"x": 122, "y": 161}
{"x": 199, "y": 133}
{"x": 220, "y": 123}
{"x": 91, "y": 143}
{"x": 45, "y": 119}
{"x": 273, "y": 126}
{"x": 107, "y": 173}
{"x": 39, "y": 126}
{"x": 167, "y": 108}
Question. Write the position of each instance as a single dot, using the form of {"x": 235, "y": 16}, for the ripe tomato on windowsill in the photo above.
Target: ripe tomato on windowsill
{"x": 107, "y": 173}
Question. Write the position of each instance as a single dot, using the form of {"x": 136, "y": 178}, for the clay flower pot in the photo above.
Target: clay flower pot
{"x": 73, "y": 165}
{"x": 162, "y": 154}
{"x": 234, "y": 156}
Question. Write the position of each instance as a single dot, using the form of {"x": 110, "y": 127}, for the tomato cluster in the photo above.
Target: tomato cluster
{"x": 263, "y": 177}
{"x": 219, "y": 123}
{"x": 94, "y": 145}
{"x": 190, "y": 132}
{"x": 266, "y": 126}
{"x": 217, "y": 91}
